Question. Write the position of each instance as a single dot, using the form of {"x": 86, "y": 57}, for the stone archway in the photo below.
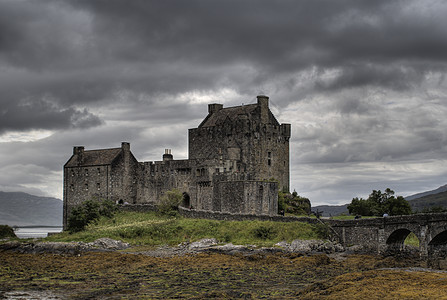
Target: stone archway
{"x": 186, "y": 200}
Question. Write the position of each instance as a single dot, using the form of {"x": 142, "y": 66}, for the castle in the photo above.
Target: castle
{"x": 234, "y": 154}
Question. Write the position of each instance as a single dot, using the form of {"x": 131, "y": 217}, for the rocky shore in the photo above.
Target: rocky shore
{"x": 204, "y": 245}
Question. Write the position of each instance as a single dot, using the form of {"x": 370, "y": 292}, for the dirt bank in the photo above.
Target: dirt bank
{"x": 274, "y": 275}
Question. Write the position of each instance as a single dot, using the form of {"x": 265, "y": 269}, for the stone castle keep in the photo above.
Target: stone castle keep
{"x": 233, "y": 154}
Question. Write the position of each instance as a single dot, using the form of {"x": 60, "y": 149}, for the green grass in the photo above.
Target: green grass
{"x": 151, "y": 229}
{"x": 411, "y": 240}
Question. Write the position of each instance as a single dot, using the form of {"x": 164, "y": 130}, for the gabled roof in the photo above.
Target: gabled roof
{"x": 233, "y": 114}
{"x": 94, "y": 158}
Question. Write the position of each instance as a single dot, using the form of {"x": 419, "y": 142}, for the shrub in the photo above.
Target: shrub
{"x": 170, "y": 202}
{"x": 89, "y": 212}
{"x": 264, "y": 232}
{"x": 6, "y": 232}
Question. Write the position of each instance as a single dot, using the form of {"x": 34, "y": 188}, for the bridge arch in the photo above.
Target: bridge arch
{"x": 396, "y": 240}
{"x": 438, "y": 245}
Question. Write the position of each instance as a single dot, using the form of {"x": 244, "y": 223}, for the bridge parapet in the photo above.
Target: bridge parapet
{"x": 383, "y": 234}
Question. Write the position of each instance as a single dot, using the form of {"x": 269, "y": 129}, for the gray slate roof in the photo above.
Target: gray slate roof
{"x": 233, "y": 113}
{"x": 95, "y": 157}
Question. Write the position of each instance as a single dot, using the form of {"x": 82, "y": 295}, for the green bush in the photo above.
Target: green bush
{"x": 6, "y": 232}
{"x": 89, "y": 212}
{"x": 170, "y": 202}
{"x": 264, "y": 232}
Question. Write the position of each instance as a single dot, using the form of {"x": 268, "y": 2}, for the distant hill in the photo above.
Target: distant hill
{"x": 420, "y": 195}
{"x": 418, "y": 202}
{"x": 429, "y": 201}
{"x": 331, "y": 210}
{"x": 23, "y": 209}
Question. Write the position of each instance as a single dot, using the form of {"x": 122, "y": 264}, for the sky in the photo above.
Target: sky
{"x": 362, "y": 83}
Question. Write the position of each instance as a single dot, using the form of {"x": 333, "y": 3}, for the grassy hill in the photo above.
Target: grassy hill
{"x": 22, "y": 209}
{"x": 152, "y": 229}
{"x": 429, "y": 201}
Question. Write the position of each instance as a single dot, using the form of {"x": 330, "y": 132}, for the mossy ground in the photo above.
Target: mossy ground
{"x": 115, "y": 275}
{"x": 152, "y": 229}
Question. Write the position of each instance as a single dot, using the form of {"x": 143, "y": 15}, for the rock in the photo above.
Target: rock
{"x": 108, "y": 244}
{"x": 203, "y": 243}
{"x": 308, "y": 246}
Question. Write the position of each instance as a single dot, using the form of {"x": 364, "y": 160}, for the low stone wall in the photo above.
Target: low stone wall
{"x": 205, "y": 214}
{"x": 137, "y": 207}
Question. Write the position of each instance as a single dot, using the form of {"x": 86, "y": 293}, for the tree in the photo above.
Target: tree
{"x": 379, "y": 203}
{"x": 360, "y": 207}
{"x": 89, "y": 212}
{"x": 293, "y": 203}
{"x": 398, "y": 206}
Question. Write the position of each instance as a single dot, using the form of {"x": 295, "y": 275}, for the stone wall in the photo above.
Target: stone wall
{"x": 203, "y": 214}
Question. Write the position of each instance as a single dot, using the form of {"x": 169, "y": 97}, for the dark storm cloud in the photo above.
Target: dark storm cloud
{"x": 83, "y": 52}
{"x": 272, "y": 36}
{"x": 362, "y": 82}
{"x": 40, "y": 114}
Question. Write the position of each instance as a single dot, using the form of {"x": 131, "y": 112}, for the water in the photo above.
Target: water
{"x": 36, "y": 232}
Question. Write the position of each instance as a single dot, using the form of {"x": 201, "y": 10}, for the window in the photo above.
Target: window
{"x": 86, "y": 172}
{"x": 86, "y": 186}
{"x": 72, "y": 187}
{"x": 269, "y": 158}
{"x": 99, "y": 171}
{"x": 98, "y": 186}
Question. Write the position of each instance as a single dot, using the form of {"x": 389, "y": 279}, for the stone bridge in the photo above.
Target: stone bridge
{"x": 384, "y": 235}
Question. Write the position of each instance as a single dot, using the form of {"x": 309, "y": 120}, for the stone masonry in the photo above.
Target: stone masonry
{"x": 238, "y": 160}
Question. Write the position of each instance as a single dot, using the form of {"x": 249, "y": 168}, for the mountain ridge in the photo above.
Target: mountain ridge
{"x": 22, "y": 209}
{"x": 427, "y": 193}
{"x": 418, "y": 202}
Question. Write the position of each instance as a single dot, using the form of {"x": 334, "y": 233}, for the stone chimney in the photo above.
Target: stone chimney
{"x": 212, "y": 108}
{"x": 263, "y": 102}
{"x": 79, "y": 152}
{"x": 125, "y": 146}
{"x": 167, "y": 156}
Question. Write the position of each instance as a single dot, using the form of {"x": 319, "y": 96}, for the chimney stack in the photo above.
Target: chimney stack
{"x": 167, "y": 156}
{"x": 79, "y": 152}
{"x": 215, "y": 107}
{"x": 263, "y": 102}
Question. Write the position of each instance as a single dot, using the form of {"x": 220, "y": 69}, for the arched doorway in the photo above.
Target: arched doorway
{"x": 186, "y": 200}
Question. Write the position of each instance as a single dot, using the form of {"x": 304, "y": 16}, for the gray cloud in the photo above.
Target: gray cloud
{"x": 362, "y": 82}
